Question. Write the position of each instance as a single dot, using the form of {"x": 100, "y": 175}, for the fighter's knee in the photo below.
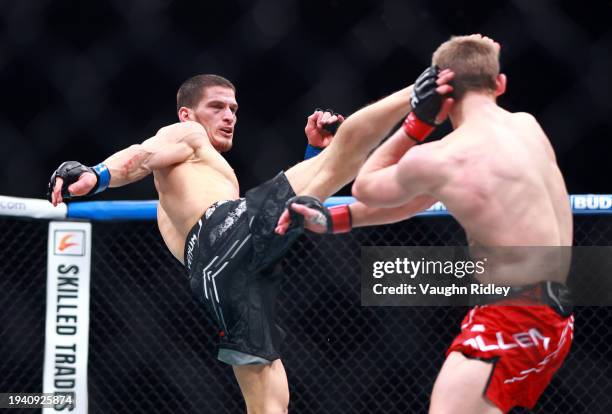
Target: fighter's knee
{"x": 350, "y": 148}
{"x": 343, "y": 166}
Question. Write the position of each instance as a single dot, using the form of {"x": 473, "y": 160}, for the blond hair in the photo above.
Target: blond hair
{"x": 475, "y": 61}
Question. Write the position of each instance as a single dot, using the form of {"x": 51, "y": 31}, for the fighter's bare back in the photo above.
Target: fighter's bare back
{"x": 505, "y": 164}
{"x": 501, "y": 182}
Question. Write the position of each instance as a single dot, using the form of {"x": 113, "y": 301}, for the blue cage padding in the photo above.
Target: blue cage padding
{"x": 147, "y": 209}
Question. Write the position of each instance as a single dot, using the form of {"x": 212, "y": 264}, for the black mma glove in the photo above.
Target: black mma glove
{"x": 331, "y": 128}
{"x": 337, "y": 219}
{"x": 70, "y": 171}
{"x": 426, "y": 104}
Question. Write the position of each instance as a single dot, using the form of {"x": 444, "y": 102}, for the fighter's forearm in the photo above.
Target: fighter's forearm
{"x": 373, "y": 179}
{"x": 356, "y": 137}
{"x": 364, "y": 215}
{"x": 128, "y": 165}
{"x": 389, "y": 153}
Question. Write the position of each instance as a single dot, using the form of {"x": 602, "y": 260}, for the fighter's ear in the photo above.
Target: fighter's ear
{"x": 184, "y": 114}
{"x": 500, "y": 84}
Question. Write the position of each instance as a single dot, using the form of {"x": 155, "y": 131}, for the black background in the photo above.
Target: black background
{"x": 81, "y": 80}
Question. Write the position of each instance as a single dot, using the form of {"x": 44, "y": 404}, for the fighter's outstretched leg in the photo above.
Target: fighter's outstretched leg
{"x": 357, "y": 136}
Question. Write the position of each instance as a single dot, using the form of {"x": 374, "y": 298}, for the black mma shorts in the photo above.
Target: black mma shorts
{"x": 232, "y": 259}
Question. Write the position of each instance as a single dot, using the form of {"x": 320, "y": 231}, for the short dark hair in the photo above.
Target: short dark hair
{"x": 191, "y": 91}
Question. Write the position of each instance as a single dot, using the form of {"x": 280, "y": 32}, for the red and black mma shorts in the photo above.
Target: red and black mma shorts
{"x": 525, "y": 344}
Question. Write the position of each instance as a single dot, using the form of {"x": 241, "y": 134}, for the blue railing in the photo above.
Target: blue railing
{"x": 147, "y": 210}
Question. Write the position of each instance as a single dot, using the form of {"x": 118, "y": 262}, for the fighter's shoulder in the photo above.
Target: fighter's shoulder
{"x": 526, "y": 118}
{"x": 452, "y": 139}
{"x": 180, "y": 130}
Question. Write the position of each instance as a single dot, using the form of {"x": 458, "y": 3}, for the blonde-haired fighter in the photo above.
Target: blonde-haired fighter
{"x": 498, "y": 176}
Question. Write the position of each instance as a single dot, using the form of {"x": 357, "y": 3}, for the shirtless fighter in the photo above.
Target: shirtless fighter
{"x": 497, "y": 175}
{"x": 227, "y": 243}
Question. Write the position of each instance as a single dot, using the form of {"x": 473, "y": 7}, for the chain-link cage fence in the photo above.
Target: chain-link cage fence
{"x": 152, "y": 347}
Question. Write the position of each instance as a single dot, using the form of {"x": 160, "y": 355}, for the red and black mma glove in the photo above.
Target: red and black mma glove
{"x": 71, "y": 171}
{"x": 312, "y": 151}
{"x": 336, "y": 219}
{"x": 426, "y": 104}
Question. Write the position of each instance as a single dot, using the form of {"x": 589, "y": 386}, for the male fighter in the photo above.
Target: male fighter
{"x": 497, "y": 175}
{"x": 227, "y": 243}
